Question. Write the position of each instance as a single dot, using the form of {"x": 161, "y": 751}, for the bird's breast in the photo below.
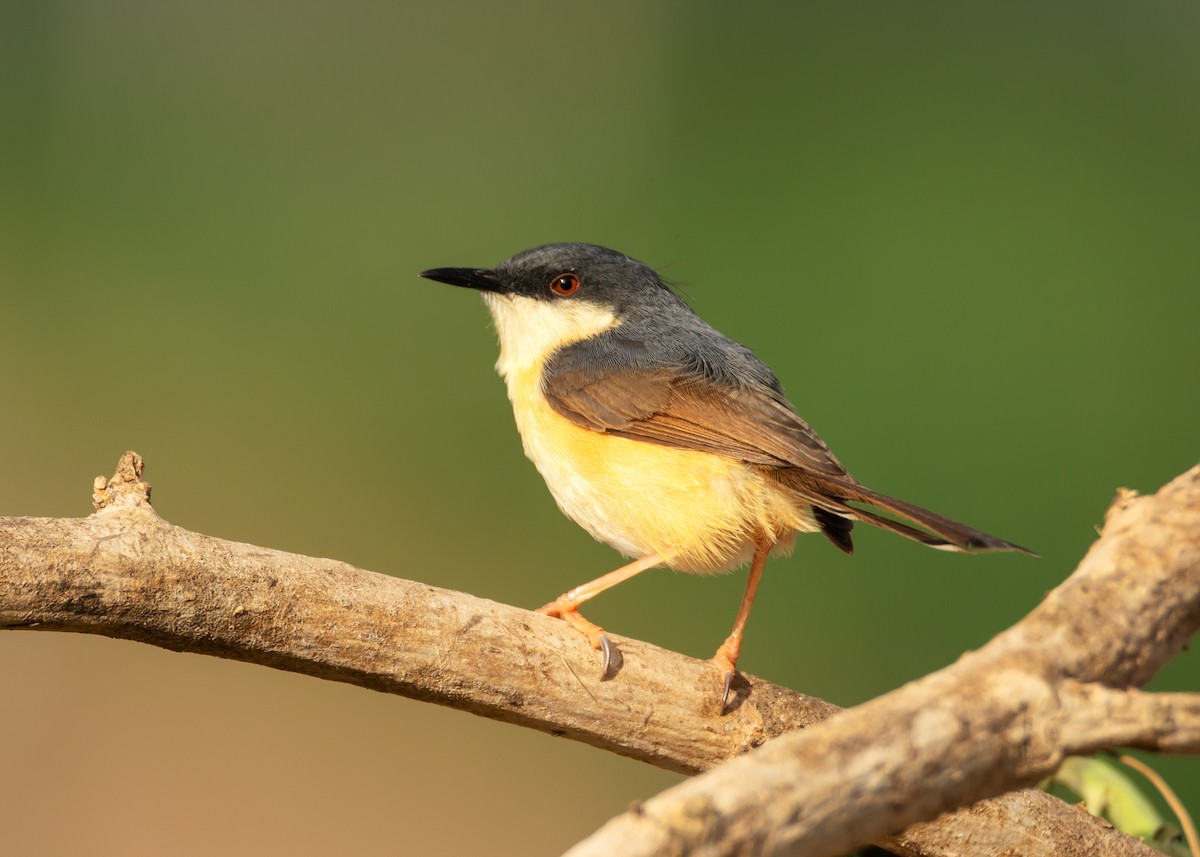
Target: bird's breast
{"x": 700, "y": 509}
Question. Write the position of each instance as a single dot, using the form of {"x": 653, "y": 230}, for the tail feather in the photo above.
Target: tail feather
{"x": 885, "y": 523}
{"x": 954, "y": 535}
{"x": 833, "y": 496}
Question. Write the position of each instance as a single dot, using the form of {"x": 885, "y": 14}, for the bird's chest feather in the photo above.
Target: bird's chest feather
{"x": 641, "y": 498}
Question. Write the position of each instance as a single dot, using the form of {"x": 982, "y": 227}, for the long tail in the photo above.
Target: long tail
{"x": 830, "y": 498}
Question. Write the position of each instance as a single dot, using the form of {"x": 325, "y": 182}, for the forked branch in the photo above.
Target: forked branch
{"x": 124, "y": 572}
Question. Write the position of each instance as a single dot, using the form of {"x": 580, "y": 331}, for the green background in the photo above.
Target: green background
{"x": 965, "y": 235}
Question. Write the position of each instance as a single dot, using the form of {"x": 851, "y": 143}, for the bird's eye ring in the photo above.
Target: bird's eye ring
{"x": 565, "y": 284}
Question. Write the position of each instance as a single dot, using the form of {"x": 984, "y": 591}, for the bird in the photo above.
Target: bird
{"x": 664, "y": 438}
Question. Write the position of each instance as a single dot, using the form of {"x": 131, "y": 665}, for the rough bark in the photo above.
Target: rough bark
{"x": 124, "y": 572}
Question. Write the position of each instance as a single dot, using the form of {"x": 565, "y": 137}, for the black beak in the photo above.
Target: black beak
{"x": 470, "y": 278}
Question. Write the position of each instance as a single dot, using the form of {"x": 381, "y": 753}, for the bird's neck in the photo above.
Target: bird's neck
{"x": 530, "y": 330}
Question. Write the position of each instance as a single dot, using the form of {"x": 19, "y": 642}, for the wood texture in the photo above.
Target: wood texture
{"x": 125, "y": 572}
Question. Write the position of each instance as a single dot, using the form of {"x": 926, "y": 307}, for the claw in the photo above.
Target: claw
{"x": 729, "y": 674}
{"x": 728, "y": 667}
{"x": 606, "y": 648}
{"x": 594, "y": 634}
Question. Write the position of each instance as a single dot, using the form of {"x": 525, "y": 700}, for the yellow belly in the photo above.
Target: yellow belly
{"x": 698, "y": 510}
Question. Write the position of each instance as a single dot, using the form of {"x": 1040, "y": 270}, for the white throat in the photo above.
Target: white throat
{"x": 530, "y": 330}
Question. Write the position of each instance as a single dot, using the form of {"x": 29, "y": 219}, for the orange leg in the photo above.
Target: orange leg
{"x": 728, "y": 652}
{"x": 566, "y": 606}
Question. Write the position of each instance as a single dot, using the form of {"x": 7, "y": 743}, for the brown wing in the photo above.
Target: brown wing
{"x": 753, "y": 424}
{"x": 677, "y": 408}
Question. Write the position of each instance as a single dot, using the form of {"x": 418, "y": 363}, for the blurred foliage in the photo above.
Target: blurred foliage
{"x": 963, "y": 234}
{"x": 1107, "y": 790}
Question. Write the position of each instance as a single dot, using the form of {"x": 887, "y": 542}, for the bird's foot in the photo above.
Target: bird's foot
{"x": 593, "y": 632}
{"x": 726, "y": 660}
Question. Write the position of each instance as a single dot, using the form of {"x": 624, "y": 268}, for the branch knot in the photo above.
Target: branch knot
{"x": 125, "y": 488}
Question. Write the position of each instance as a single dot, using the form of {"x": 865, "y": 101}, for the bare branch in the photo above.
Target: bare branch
{"x": 124, "y": 572}
{"x": 998, "y": 719}
{"x": 1018, "y": 823}
{"x": 1097, "y": 717}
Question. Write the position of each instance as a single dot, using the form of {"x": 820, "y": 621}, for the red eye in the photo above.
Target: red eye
{"x": 565, "y": 284}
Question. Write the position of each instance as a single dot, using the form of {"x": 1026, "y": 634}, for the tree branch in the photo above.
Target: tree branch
{"x": 1096, "y": 717}
{"x": 999, "y": 718}
{"x": 124, "y": 572}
